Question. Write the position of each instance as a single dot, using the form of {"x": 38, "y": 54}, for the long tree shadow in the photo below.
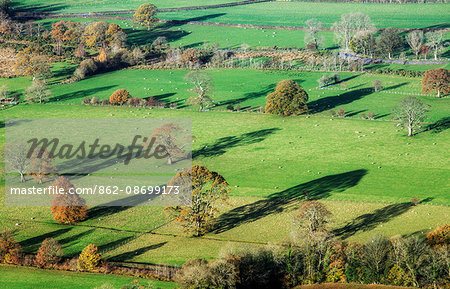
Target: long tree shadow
{"x": 439, "y": 126}
{"x": 114, "y": 244}
{"x": 32, "y": 244}
{"x": 118, "y": 206}
{"x": 129, "y": 255}
{"x": 223, "y": 144}
{"x": 81, "y": 93}
{"x": 330, "y": 102}
{"x": 278, "y": 202}
{"x": 369, "y": 221}
{"x": 76, "y": 237}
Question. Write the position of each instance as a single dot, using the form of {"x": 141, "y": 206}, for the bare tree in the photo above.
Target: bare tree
{"x": 202, "y": 82}
{"x": 38, "y": 91}
{"x": 435, "y": 41}
{"x": 16, "y": 158}
{"x": 415, "y": 41}
{"x": 312, "y": 35}
{"x": 349, "y": 25}
{"x": 410, "y": 112}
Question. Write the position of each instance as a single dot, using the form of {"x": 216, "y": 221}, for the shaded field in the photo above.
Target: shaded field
{"x": 247, "y": 88}
{"x": 270, "y": 163}
{"x": 33, "y": 278}
{"x": 296, "y": 14}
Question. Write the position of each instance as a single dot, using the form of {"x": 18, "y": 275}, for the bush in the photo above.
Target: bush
{"x": 377, "y": 85}
{"x": 89, "y": 258}
{"x": 86, "y": 100}
{"x": 371, "y": 115}
{"x": 326, "y": 80}
{"x": 439, "y": 237}
{"x": 87, "y": 67}
{"x": 333, "y": 113}
{"x": 10, "y": 250}
{"x": 341, "y": 112}
{"x": 49, "y": 253}
{"x": 120, "y": 96}
{"x": 134, "y": 101}
{"x": 288, "y": 99}
{"x": 95, "y": 100}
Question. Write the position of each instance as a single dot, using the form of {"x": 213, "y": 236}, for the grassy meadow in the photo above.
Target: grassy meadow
{"x": 296, "y": 13}
{"x": 33, "y": 278}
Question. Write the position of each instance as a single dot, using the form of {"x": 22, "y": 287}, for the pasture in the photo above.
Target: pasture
{"x": 296, "y": 14}
{"x": 33, "y": 278}
{"x": 266, "y": 158}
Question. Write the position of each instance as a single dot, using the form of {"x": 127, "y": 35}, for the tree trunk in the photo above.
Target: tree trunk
{"x": 389, "y": 55}
{"x": 410, "y": 131}
{"x": 435, "y": 54}
{"x": 169, "y": 160}
{"x": 22, "y": 178}
{"x": 439, "y": 93}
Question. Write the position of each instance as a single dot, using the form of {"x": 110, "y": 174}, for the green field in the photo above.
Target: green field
{"x": 296, "y": 14}
{"x": 248, "y": 88}
{"x": 267, "y": 158}
{"x": 33, "y": 278}
{"x": 86, "y": 6}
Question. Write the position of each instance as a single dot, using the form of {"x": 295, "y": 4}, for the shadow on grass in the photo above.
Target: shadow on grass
{"x": 370, "y": 221}
{"x": 330, "y": 102}
{"x": 114, "y": 244}
{"x": 32, "y": 244}
{"x": 19, "y": 7}
{"x": 129, "y": 255}
{"x": 223, "y": 144}
{"x": 75, "y": 237}
{"x": 439, "y": 126}
{"x": 80, "y": 94}
{"x": 278, "y": 202}
{"x": 118, "y": 206}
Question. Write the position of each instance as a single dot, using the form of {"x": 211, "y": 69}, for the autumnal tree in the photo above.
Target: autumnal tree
{"x": 67, "y": 206}
{"x": 410, "y": 112}
{"x": 145, "y": 15}
{"x": 389, "y": 41}
{"x": 208, "y": 190}
{"x": 38, "y": 91}
{"x": 288, "y": 99}
{"x": 435, "y": 40}
{"x": 89, "y": 258}
{"x": 31, "y": 62}
{"x": 95, "y": 34}
{"x": 437, "y": 80}
{"x": 171, "y": 137}
{"x": 191, "y": 56}
{"x": 49, "y": 253}
{"x": 415, "y": 41}
{"x": 16, "y": 158}
{"x": 120, "y": 96}
{"x": 337, "y": 263}
{"x": 102, "y": 56}
{"x": 10, "y": 250}
{"x": 41, "y": 166}
{"x": 202, "y": 82}
{"x": 439, "y": 237}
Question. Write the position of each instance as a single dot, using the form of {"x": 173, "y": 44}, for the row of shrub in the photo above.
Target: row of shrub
{"x": 399, "y": 72}
{"x": 50, "y": 256}
{"x": 123, "y": 97}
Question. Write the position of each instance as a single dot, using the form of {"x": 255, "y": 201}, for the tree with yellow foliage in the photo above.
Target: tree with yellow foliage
{"x": 89, "y": 258}
{"x": 145, "y": 15}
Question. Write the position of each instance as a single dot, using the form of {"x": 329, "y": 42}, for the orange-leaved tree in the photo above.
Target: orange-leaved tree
{"x": 10, "y": 250}
{"x": 440, "y": 236}
{"x": 49, "y": 254}
{"x": 120, "y": 96}
{"x": 67, "y": 206}
{"x": 436, "y": 80}
{"x": 288, "y": 99}
{"x": 209, "y": 189}
{"x": 89, "y": 258}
